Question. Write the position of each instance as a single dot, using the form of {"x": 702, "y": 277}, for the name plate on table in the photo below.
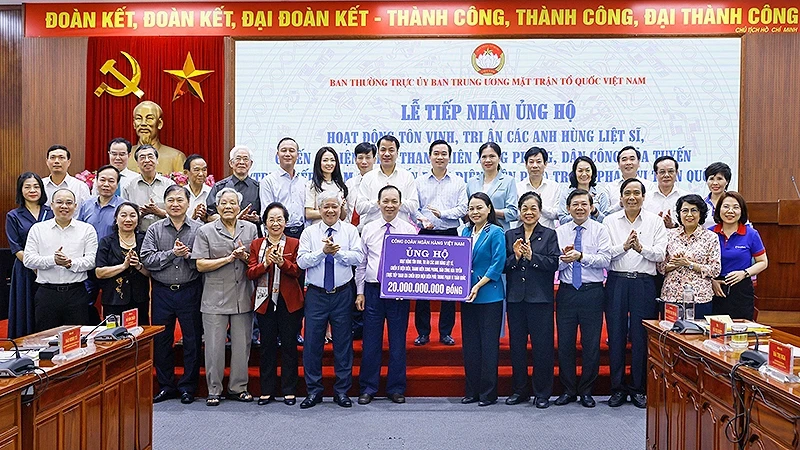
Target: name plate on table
{"x": 780, "y": 357}
{"x": 130, "y": 318}
{"x": 717, "y": 327}
{"x": 426, "y": 267}
{"x": 69, "y": 340}
{"x": 671, "y": 312}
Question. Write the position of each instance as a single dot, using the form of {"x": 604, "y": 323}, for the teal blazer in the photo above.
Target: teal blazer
{"x": 488, "y": 259}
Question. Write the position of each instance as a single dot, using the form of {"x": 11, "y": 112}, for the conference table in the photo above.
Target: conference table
{"x": 690, "y": 397}
{"x": 99, "y": 401}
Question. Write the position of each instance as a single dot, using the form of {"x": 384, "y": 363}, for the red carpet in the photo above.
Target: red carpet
{"x": 434, "y": 370}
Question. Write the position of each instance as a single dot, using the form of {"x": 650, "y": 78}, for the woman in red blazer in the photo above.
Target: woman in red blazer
{"x": 278, "y": 306}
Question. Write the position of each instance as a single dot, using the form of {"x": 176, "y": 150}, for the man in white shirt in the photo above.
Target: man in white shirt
{"x": 628, "y": 161}
{"x": 119, "y": 151}
{"x": 377, "y": 311}
{"x": 61, "y": 250}
{"x": 147, "y": 189}
{"x": 328, "y": 252}
{"x": 287, "y": 187}
{"x": 365, "y": 153}
{"x": 388, "y": 173}
{"x": 58, "y": 162}
{"x": 442, "y": 202}
{"x": 664, "y": 198}
{"x": 548, "y": 190}
{"x": 196, "y": 170}
{"x": 638, "y": 242}
{"x": 586, "y": 249}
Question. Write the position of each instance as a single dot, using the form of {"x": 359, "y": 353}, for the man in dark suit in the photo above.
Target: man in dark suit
{"x": 531, "y": 260}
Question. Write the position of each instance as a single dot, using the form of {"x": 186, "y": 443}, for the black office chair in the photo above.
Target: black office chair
{"x": 6, "y": 264}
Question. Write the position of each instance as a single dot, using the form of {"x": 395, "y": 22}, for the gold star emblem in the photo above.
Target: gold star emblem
{"x": 189, "y": 79}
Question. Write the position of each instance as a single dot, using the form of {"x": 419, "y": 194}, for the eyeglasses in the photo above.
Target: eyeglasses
{"x": 63, "y": 202}
{"x": 242, "y": 159}
{"x": 692, "y": 211}
{"x": 731, "y": 208}
{"x": 661, "y": 173}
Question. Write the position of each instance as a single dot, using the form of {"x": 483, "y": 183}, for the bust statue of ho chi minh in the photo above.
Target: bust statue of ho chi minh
{"x": 147, "y": 122}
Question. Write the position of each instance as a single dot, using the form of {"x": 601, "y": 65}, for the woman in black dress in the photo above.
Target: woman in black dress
{"x": 124, "y": 280}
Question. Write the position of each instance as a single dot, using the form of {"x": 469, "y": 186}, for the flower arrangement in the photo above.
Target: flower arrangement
{"x": 179, "y": 178}
{"x": 182, "y": 180}
{"x": 87, "y": 177}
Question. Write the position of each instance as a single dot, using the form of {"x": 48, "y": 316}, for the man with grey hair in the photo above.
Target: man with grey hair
{"x": 221, "y": 253}
{"x": 328, "y": 251}
{"x": 240, "y": 161}
{"x": 61, "y": 250}
{"x": 147, "y": 189}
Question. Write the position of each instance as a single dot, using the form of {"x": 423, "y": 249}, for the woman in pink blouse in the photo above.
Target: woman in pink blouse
{"x": 693, "y": 256}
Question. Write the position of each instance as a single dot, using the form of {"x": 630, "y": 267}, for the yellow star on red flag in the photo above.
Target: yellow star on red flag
{"x": 189, "y": 79}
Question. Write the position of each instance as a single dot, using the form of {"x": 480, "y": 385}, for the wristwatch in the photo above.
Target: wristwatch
{"x": 747, "y": 274}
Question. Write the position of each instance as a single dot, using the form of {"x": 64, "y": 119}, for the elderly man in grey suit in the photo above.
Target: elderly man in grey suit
{"x": 220, "y": 249}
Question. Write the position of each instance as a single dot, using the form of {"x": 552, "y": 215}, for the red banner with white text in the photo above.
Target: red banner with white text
{"x": 394, "y": 19}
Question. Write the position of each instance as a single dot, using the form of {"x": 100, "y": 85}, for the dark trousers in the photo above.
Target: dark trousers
{"x": 117, "y": 310}
{"x": 534, "y": 320}
{"x": 422, "y": 308}
{"x": 628, "y": 302}
{"x": 58, "y": 305}
{"x": 579, "y": 308}
{"x": 395, "y": 314}
{"x": 320, "y": 309}
{"x": 183, "y": 305}
{"x": 738, "y": 301}
{"x": 480, "y": 337}
{"x": 279, "y": 322}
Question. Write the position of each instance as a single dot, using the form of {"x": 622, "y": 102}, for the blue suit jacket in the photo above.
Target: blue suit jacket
{"x": 488, "y": 259}
{"x": 502, "y": 192}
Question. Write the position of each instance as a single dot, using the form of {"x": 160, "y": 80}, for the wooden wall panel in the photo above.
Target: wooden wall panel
{"x": 769, "y": 145}
{"x": 54, "y": 95}
{"x": 229, "y": 136}
{"x": 11, "y": 36}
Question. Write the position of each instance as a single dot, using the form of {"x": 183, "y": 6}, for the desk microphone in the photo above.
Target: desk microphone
{"x": 750, "y": 358}
{"x": 86, "y": 337}
{"x": 18, "y": 366}
{"x": 795, "y": 187}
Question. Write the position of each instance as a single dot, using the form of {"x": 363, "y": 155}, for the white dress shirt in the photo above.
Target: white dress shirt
{"x": 595, "y": 246}
{"x": 78, "y": 241}
{"x": 125, "y": 176}
{"x": 290, "y": 191}
{"x": 372, "y": 244}
{"x": 140, "y": 192}
{"x": 78, "y": 187}
{"x": 199, "y": 199}
{"x": 550, "y": 191}
{"x": 612, "y": 189}
{"x": 656, "y": 202}
{"x": 311, "y": 258}
{"x": 448, "y": 195}
{"x": 371, "y": 184}
{"x": 652, "y": 235}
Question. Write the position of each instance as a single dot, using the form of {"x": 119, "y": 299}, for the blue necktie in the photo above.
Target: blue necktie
{"x": 379, "y": 275}
{"x": 576, "y": 265}
{"x": 329, "y": 268}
